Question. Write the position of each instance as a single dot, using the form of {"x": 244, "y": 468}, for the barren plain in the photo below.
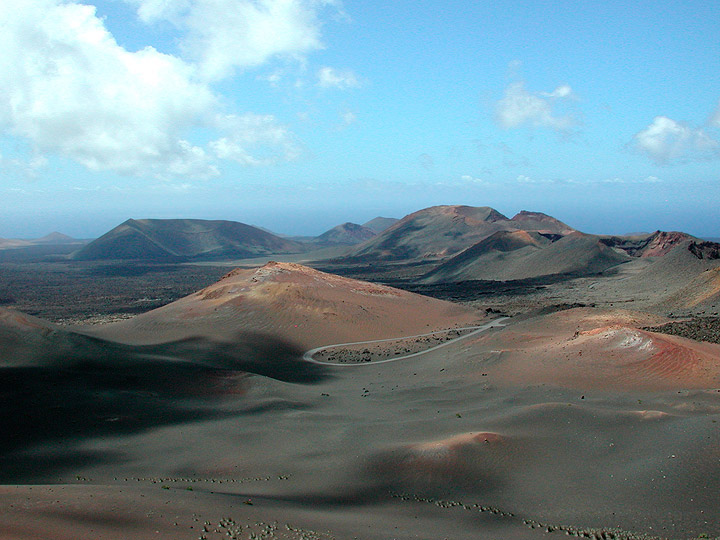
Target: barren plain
{"x": 348, "y": 398}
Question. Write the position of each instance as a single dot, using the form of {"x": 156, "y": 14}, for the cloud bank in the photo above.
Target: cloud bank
{"x": 220, "y": 36}
{"x": 666, "y": 140}
{"x": 68, "y": 87}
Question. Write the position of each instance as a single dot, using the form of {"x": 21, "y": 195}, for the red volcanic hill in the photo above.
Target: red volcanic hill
{"x": 183, "y": 239}
{"x": 294, "y": 303}
{"x": 519, "y": 255}
{"x": 442, "y": 231}
{"x": 657, "y": 244}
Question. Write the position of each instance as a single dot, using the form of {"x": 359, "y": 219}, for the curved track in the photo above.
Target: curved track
{"x": 308, "y": 356}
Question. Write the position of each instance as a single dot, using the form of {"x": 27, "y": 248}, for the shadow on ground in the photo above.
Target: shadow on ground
{"x": 64, "y": 388}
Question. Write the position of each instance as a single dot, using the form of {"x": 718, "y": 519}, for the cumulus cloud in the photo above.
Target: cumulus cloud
{"x": 519, "y": 107}
{"x": 666, "y": 140}
{"x": 332, "y": 78}
{"x": 222, "y": 35}
{"x": 69, "y": 88}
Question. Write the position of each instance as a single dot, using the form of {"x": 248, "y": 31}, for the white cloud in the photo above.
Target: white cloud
{"x": 332, "y": 78}
{"x": 222, "y": 35}
{"x": 68, "y": 88}
{"x": 253, "y": 139}
{"x": 273, "y": 78}
{"x": 348, "y": 118}
{"x": 563, "y": 91}
{"x": 646, "y": 180}
{"x": 28, "y": 170}
{"x": 466, "y": 178}
{"x": 666, "y": 140}
{"x": 518, "y": 107}
{"x": 715, "y": 118}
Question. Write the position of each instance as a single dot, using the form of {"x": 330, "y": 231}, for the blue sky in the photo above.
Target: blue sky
{"x": 300, "y": 114}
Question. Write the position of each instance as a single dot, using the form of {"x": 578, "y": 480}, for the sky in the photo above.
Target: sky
{"x": 298, "y": 115}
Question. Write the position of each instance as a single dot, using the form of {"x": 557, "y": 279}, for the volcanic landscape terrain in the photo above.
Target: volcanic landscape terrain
{"x": 456, "y": 374}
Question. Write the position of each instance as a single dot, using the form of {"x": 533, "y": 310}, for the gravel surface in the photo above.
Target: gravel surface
{"x": 697, "y": 328}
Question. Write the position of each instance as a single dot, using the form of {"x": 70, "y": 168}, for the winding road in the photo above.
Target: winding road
{"x": 308, "y": 356}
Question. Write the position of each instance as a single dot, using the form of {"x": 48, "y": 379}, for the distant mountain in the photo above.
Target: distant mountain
{"x": 6, "y": 243}
{"x": 347, "y": 234}
{"x": 379, "y": 224}
{"x": 443, "y": 231}
{"x": 185, "y": 239}
{"x": 56, "y": 238}
{"x": 521, "y": 255}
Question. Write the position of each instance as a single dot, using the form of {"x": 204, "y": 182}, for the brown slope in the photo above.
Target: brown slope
{"x": 168, "y": 239}
{"x": 22, "y": 338}
{"x": 522, "y": 255}
{"x": 677, "y": 282}
{"x": 294, "y": 303}
{"x": 701, "y": 291}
